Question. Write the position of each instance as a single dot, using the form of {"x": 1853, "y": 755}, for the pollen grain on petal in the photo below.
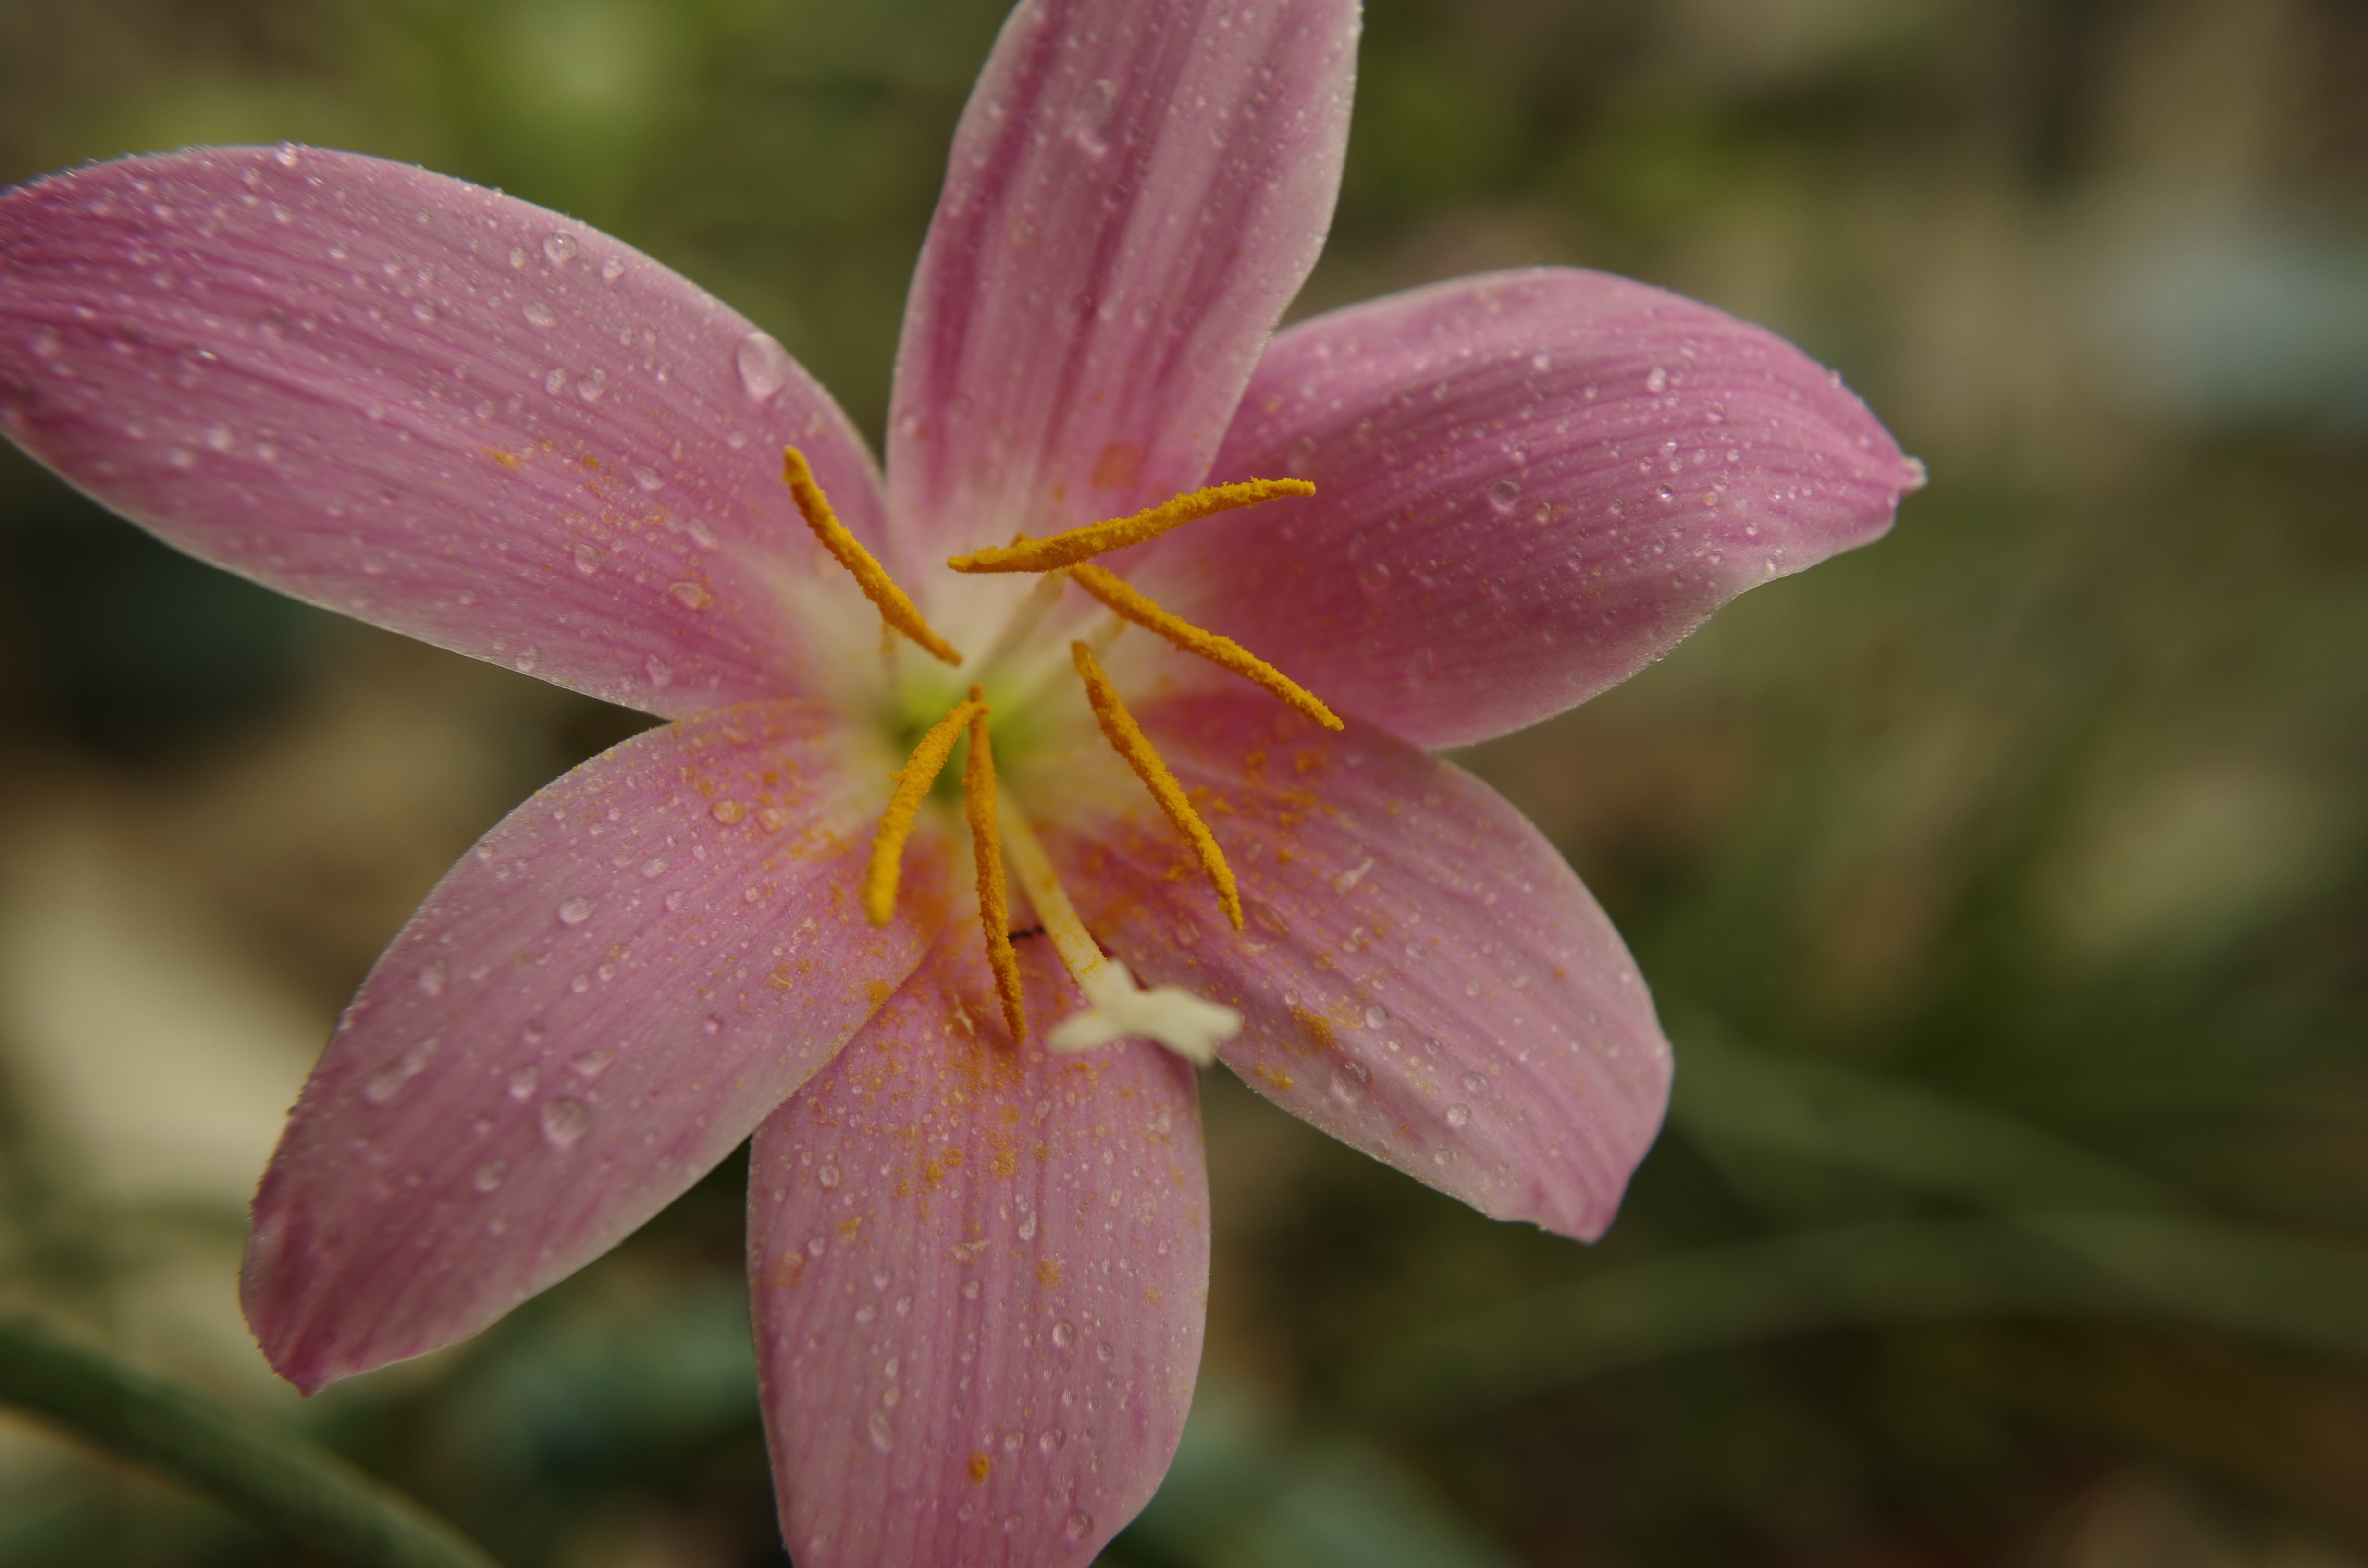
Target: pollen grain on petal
{"x": 986, "y": 847}
{"x": 1127, "y": 738}
{"x": 913, "y": 781}
{"x": 1124, "y": 600}
{"x": 1117, "y": 533}
{"x": 895, "y": 608}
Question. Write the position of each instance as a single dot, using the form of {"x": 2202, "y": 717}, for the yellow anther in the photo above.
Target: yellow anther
{"x": 913, "y": 781}
{"x": 1223, "y": 652}
{"x": 987, "y": 848}
{"x": 1084, "y": 543}
{"x": 895, "y": 608}
{"x": 1127, "y": 737}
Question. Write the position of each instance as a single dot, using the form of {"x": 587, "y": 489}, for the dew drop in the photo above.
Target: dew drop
{"x": 647, "y": 478}
{"x": 764, "y": 364}
{"x": 432, "y": 979}
{"x": 1103, "y": 1353}
{"x": 389, "y": 1082}
{"x": 1349, "y": 1082}
{"x": 1475, "y": 1084}
{"x": 1050, "y": 1441}
{"x": 691, "y": 595}
{"x": 554, "y": 381}
{"x": 560, "y": 248}
{"x": 1459, "y": 1116}
{"x": 827, "y": 1176}
{"x": 541, "y": 314}
{"x": 490, "y": 1176}
{"x": 1373, "y": 576}
{"x": 565, "y": 1122}
{"x": 727, "y": 811}
{"x": 883, "y": 1437}
{"x": 1658, "y": 381}
{"x": 971, "y": 1290}
{"x": 613, "y": 269}
{"x": 218, "y": 437}
{"x": 661, "y": 673}
{"x": 523, "y": 1084}
{"x": 1027, "y": 1227}
{"x": 1503, "y": 494}
{"x": 1064, "y": 1333}
{"x": 1077, "y": 1525}
{"x": 591, "y": 1063}
{"x": 576, "y": 912}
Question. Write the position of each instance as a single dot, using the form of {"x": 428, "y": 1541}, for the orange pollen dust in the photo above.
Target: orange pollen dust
{"x": 1066, "y": 556}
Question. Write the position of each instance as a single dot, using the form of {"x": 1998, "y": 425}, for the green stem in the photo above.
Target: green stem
{"x": 272, "y": 1477}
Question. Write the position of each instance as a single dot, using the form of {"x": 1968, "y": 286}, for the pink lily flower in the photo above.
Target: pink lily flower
{"x": 978, "y": 1240}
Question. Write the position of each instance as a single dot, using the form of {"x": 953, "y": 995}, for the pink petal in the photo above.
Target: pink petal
{"x": 425, "y": 404}
{"x": 1530, "y": 485}
{"x": 1421, "y": 974}
{"x": 1134, "y": 194}
{"x": 598, "y": 1002}
{"x": 981, "y": 1275}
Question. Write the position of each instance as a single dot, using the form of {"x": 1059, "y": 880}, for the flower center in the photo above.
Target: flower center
{"x": 1191, "y": 1026}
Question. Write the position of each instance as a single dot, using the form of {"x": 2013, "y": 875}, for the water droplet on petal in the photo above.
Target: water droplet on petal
{"x": 613, "y": 269}
{"x": 827, "y": 1176}
{"x": 1349, "y": 1082}
{"x": 1658, "y": 381}
{"x": 1027, "y": 1227}
{"x": 565, "y": 1122}
{"x": 541, "y": 314}
{"x": 727, "y": 811}
{"x": 1459, "y": 1116}
{"x": 490, "y": 1176}
{"x": 883, "y": 1437}
{"x": 1064, "y": 1333}
{"x": 764, "y": 364}
{"x": 560, "y": 248}
{"x": 1077, "y": 1525}
{"x": 1503, "y": 494}
{"x": 591, "y": 1063}
{"x": 576, "y": 912}
{"x": 523, "y": 1083}
{"x": 647, "y": 478}
{"x": 691, "y": 595}
{"x": 1475, "y": 1084}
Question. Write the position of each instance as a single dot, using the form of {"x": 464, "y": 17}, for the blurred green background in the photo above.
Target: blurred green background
{"x": 2002, "y": 884}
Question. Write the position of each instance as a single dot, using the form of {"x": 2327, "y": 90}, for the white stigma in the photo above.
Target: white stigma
{"x": 1192, "y": 1026}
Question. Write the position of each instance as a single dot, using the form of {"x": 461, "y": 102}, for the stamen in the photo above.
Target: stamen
{"x": 1222, "y": 652}
{"x": 913, "y": 781}
{"x": 1084, "y": 543}
{"x": 895, "y": 608}
{"x": 1190, "y": 1026}
{"x": 986, "y": 850}
{"x": 1126, "y": 737}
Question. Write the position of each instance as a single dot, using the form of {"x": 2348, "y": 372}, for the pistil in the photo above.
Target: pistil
{"x": 1190, "y": 1026}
